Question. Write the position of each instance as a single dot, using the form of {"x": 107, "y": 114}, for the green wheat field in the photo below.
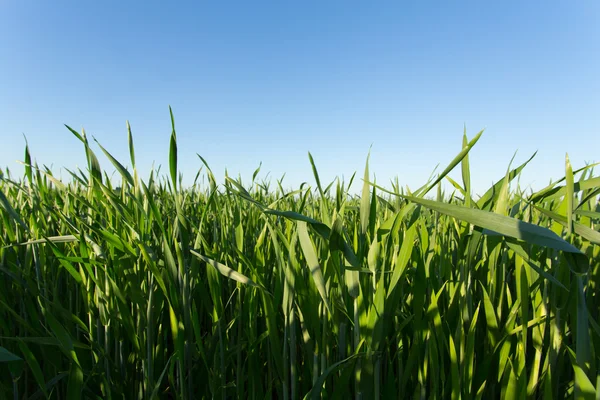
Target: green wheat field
{"x": 140, "y": 288}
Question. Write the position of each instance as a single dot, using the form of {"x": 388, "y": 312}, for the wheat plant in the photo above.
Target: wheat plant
{"x": 144, "y": 288}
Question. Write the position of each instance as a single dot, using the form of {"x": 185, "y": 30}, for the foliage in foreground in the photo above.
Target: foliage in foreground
{"x": 150, "y": 290}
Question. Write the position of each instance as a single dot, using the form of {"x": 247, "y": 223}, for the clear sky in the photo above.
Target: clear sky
{"x": 269, "y": 81}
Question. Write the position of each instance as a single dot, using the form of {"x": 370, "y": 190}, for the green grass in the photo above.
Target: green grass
{"x": 246, "y": 290}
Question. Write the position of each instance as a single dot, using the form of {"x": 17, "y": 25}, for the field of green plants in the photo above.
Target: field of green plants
{"x": 143, "y": 289}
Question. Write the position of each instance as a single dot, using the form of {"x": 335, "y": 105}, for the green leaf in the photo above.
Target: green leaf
{"x": 451, "y": 166}
{"x": 256, "y": 172}
{"x": 14, "y": 362}
{"x": 131, "y": 148}
{"x": 469, "y": 360}
{"x": 492, "y": 193}
{"x": 325, "y": 209}
{"x": 75, "y": 385}
{"x": 582, "y": 230}
{"x": 590, "y": 214}
{"x": 7, "y": 357}
{"x": 583, "y": 340}
{"x": 315, "y": 392}
{"x": 490, "y": 317}
{"x": 584, "y": 389}
{"x": 455, "y": 393}
{"x": 365, "y": 202}
{"x": 226, "y": 271}
{"x": 466, "y": 174}
{"x": 34, "y": 366}
{"x": 510, "y": 227}
{"x": 28, "y": 171}
{"x": 5, "y": 204}
{"x": 337, "y": 242}
{"x": 160, "y": 378}
{"x": 173, "y": 153}
{"x": 518, "y": 248}
{"x": 404, "y": 256}
{"x": 569, "y": 194}
{"x": 308, "y": 250}
{"x": 93, "y": 164}
{"x": 552, "y": 192}
{"x": 52, "y": 239}
{"x": 511, "y": 386}
{"x": 319, "y": 227}
{"x": 120, "y": 168}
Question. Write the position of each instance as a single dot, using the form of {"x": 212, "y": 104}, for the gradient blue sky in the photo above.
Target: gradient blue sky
{"x": 269, "y": 81}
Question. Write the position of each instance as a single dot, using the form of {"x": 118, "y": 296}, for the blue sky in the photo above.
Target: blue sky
{"x": 269, "y": 81}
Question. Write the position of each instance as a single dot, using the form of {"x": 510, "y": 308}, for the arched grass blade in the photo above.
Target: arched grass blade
{"x": 452, "y": 164}
{"x": 512, "y": 227}
{"x": 493, "y": 192}
{"x": 93, "y": 164}
{"x": 226, "y": 271}
{"x": 52, "y": 239}
{"x": 122, "y": 170}
{"x": 315, "y": 392}
{"x": 553, "y": 192}
{"x": 5, "y": 204}
{"x": 517, "y": 247}
{"x": 582, "y": 230}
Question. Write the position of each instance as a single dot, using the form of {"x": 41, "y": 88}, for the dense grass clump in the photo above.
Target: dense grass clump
{"x": 243, "y": 290}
